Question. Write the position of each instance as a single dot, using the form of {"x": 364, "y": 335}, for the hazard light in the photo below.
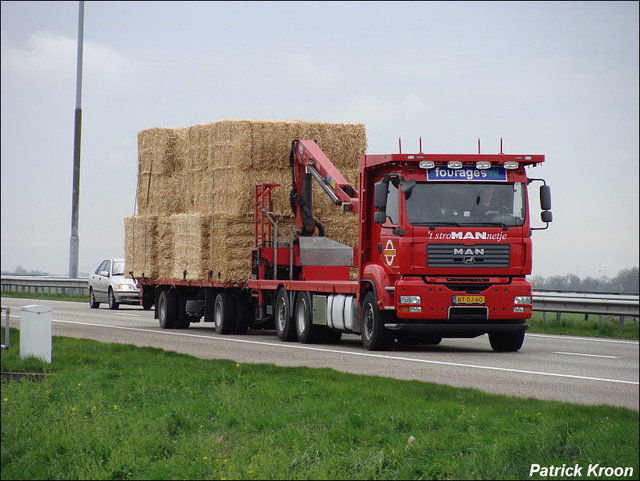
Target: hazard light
{"x": 454, "y": 164}
{"x": 483, "y": 164}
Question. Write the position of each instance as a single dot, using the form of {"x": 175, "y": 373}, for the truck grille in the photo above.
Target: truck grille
{"x": 473, "y": 256}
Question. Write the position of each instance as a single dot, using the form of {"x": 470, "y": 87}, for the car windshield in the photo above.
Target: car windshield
{"x": 118, "y": 268}
{"x": 466, "y": 203}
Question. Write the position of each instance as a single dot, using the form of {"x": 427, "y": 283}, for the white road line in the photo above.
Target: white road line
{"x": 574, "y": 338}
{"x": 586, "y": 355}
{"x": 360, "y": 354}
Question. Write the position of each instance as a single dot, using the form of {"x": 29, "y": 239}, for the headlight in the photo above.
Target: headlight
{"x": 410, "y": 300}
{"x": 483, "y": 164}
{"x": 522, "y": 300}
{"x": 126, "y": 287}
{"x": 454, "y": 164}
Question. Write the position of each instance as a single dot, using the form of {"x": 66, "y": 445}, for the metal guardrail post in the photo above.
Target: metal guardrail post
{"x": 7, "y": 330}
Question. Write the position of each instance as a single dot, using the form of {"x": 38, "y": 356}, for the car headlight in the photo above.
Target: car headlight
{"x": 126, "y": 287}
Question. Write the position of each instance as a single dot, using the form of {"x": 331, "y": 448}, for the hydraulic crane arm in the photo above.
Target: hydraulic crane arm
{"x": 307, "y": 157}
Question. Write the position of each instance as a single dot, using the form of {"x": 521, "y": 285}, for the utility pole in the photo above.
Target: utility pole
{"x": 75, "y": 199}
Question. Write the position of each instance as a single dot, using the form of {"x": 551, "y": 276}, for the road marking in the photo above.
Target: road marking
{"x": 360, "y": 354}
{"x": 573, "y": 338}
{"x": 586, "y": 355}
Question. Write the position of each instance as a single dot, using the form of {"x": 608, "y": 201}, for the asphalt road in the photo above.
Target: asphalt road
{"x": 563, "y": 368}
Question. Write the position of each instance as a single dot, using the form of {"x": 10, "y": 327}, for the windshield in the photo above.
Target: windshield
{"x": 460, "y": 203}
{"x": 118, "y": 268}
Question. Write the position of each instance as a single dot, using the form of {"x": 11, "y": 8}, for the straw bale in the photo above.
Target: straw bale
{"x": 141, "y": 252}
{"x": 161, "y": 194}
{"x": 233, "y": 238}
{"x": 191, "y": 246}
{"x": 161, "y": 149}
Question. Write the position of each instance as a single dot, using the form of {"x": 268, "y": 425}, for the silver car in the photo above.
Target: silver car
{"x": 108, "y": 284}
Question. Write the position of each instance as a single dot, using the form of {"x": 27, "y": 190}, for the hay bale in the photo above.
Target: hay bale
{"x": 191, "y": 246}
{"x": 189, "y": 176}
{"x": 141, "y": 245}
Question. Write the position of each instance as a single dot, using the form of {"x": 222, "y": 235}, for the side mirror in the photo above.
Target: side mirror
{"x": 104, "y": 273}
{"x": 380, "y": 217}
{"x": 408, "y": 186}
{"x": 546, "y": 216}
{"x": 380, "y": 191}
{"x": 545, "y": 197}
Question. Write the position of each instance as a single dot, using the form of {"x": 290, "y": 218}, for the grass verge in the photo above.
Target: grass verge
{"x": 113, "y": 411}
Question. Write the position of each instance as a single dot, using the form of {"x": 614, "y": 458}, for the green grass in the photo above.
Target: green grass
{"x": 50, "y": 297}
{"x": 575, "y": 325}
{"x": 113, "y": 411}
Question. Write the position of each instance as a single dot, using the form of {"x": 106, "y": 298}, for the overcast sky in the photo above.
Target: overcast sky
{"x": 555, "y": 78}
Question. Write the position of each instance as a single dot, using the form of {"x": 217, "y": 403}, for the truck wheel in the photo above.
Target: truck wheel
{"x": 506, "y": 342}
{"x": 306, "y": 331}
{"x": 284, "y": 325}
{"x": 92, "y": 300}
{"x": 112, "y": 300}
{"x": 242, "y": 315}
{"x": 224, "y": 313}
{"x": 375, "y": 337}
{"x": 167, "y": 309}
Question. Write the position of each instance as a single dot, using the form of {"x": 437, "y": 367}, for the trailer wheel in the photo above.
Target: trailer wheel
{"x": 167, "y": 309}
{"x": 224, "y": 313}
{"x": 306, "y": 331}
{"x": 506, "y": 342}
{"x": 284, "y": 325}
{"x": 375, "y": 337}
{"x": 242, "y": 315}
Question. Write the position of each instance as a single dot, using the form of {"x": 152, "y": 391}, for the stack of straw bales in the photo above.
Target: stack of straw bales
{"x": 195, "y": 198}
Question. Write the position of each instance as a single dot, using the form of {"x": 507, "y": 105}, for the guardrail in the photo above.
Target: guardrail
{"x": 45, "y": 284}
{"x": 544, "y": 301}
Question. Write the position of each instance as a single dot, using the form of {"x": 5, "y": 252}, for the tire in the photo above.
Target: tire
{"x": 147, "y": 304}
{"x": 112, "y": 300}
{"x": 183, "y": 321}
{"x": 375, "y": 337}
{"x": 92, "y": 300}
{"x": 224, "y": 313}
{"x": 506, "y": 342}
{"x": 306, "y": 331}
{"x": 167, "y": 309}
{"x": 284, "y": 323}
{"x": 242, "y": 315}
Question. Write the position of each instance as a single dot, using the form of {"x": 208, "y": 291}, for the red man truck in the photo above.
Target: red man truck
{"x": 444, "y": 248}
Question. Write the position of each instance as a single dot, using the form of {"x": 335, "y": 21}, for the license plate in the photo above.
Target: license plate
{"x": 468, "y": 299}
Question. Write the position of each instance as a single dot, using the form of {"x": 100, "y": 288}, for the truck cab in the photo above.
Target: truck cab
{"x": 445, "y": 246}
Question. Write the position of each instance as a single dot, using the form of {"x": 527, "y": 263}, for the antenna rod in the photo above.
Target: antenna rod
{"x": 420, "y": 144}
{"x": 478, "y": 145}
{"x": 399, "y": 145}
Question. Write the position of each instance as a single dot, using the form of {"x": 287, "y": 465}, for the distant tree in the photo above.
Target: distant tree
{"x": 626, "y": 281}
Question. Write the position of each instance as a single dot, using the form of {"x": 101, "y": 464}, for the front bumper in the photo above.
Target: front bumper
{"x": 430, "y": 306}
{"x": 127, "y": 297}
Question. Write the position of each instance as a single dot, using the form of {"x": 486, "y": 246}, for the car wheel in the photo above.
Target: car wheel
{"x": 92, "y": 300}
{"x": 112, "y": 300}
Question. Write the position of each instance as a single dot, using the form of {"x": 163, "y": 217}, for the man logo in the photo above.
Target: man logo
{"x": 468, "y": 252}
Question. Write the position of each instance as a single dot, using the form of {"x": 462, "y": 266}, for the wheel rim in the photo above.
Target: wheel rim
{"x": 217, "y": 316}
{"x": 162, "y": 307}
{"x": 300, "y": 314}
{"x": 281, "y": 315}
{"x": 367, "y": 325}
